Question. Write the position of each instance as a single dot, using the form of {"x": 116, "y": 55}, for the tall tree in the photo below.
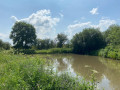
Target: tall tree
{"x": 61, "y": 39}
{"x": 23, "y": 35}
{"x": 88, "y": 40}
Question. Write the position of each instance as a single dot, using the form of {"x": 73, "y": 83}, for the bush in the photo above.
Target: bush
{"x": 23, "y": 72}
{"x": 28, "y": 51}
{"x": 108, "y": 52}
{"x": 4, "y": 45}
{"x": 112, "y": 54}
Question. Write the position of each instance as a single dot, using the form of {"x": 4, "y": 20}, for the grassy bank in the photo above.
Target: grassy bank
{"x": 28, "y": 72}
{"x": 108, "y": 52}
{"x": 54, "y": 50}
{"x": 44, "y": 51}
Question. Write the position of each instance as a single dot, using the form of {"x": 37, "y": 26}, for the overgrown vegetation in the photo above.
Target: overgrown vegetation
{"x": 92, "y": 41}
{"x": 54, "y": 50}
{"x": 18, "y": 71}
{"x": 88, "y": 40}
{"x": 112, "y": 38}
{"x": 4, "y": 45}
{"x": 25, "y": 72}
{"x": 108, "y": 52}
{"x": 44, "y": 51}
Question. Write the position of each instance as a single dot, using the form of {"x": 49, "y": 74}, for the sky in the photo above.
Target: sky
{"x": 50, "y": 17}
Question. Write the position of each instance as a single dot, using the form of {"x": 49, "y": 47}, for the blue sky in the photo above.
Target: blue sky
{"x": 51, "y": 17}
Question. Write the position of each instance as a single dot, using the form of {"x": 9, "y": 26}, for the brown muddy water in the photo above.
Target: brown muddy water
{"x": 107, "y": 71}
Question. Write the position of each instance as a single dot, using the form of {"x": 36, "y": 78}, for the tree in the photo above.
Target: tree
{"x": 112, "y": 35}
{"x": 68, "y": 44}
{"x": 4, "y": 45}
{"x": 61, "y": 39}
{"x": 23, "y": 35}
{"x": 44, "y": 43}
{"x": 88, "y": 40}
{"x": 1, "y": 43}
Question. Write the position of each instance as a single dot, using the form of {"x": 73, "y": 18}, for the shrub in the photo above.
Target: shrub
{"x": 4, "y": 45}
{"x": 108, "y": 52}
{"x": 23, "y": 72}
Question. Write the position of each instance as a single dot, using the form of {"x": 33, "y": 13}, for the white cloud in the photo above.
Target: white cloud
{"x": 14, "y": 18}
{"x": 75, "y": 28}
{"x": 78, "y": 27}
{"x": 104, "y": 24}
{"x": 43, "y": 22}
{"x": 94, "y": 11}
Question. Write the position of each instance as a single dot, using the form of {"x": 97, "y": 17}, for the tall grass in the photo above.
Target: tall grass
{"x": 108, "y": 52}
{"x": 54, "y": 50}
{"x": 26, "y": 72}
{"x": 44, "y": 51}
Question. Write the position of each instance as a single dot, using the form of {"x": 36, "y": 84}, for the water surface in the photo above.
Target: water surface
{"x": 107, "y": 70}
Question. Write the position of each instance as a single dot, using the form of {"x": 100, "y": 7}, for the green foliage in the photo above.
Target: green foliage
{"x": 44, "y": 51}
{"x": 112, "y": 35}
{"x": 60, "y": 42}
{"x": 27, "y": 51}
{"x": 88, "y": 40}
{"x": 23, "y": 72}
{"x": 4, "y": 45}
{"x": 44, "y": 44}
{"x": 54, "y": 50}
{"x": 67, "y": 44}
{"x": 61, "y": 39}
{"x": 108, "y": 52}
{"x": 112, "y": 50}
{"x": 23, "y": 35}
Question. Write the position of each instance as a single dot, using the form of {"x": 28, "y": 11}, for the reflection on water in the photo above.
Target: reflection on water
{"x": 107, "y": 71}
{"x": 63, "y": 65}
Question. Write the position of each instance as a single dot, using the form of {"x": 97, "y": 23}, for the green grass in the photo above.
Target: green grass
{"x": 54, "y": 50}
{"x": 108, "y": 52}
{"x": 28, "y": 72}
{"x": 44, "y": 51}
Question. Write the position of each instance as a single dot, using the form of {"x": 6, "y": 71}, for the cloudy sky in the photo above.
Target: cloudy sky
{"x": 51, "y": 17}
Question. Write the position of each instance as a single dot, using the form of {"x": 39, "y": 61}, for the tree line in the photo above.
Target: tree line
{"x": 24, "y": 37}
{"x": 60, "y": 41}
